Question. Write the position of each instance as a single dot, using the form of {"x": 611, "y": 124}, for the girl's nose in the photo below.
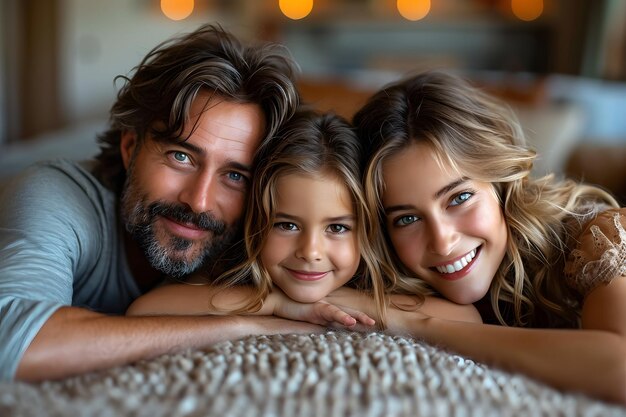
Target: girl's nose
{"x": 310, "y": 247}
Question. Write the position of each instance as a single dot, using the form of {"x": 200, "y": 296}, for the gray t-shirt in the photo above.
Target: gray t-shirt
{"x": 60, "y": 245}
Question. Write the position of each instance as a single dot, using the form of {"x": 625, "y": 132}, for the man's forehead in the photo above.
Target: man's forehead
{"x": 240, "y": 125}
{"x": 230, "y": 130}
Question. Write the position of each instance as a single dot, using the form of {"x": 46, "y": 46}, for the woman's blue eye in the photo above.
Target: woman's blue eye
{"x": 338, "y": 228}
{"x": 461, "y": 198}
{"x": 181, "y": 156}
{"x": 405, "y": 220}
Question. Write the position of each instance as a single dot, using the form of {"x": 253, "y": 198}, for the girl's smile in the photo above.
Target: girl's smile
{"x": 306, "y": 275}
{"x": 446, "y": 229}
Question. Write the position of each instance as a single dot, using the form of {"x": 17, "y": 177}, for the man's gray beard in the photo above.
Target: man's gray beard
{"x": 139, "y": 218}
{"x": 160, "y": 256}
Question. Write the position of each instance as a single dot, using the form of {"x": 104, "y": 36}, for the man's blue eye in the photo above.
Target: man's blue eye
{"x": 181, "y": 156}
{"x": 235, "y": 176}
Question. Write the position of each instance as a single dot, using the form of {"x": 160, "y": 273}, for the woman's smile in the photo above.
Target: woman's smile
{"x": 458, "y": 268}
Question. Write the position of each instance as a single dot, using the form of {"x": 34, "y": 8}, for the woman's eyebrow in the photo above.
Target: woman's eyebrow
{"x": 399, "y": 207}
{"x": 442, "y": 191}
{"x": 446, "y": 188}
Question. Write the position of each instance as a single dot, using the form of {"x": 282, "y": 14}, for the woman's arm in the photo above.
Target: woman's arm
{"x": 348, "y": 298}
{"x": 591, "y": 360}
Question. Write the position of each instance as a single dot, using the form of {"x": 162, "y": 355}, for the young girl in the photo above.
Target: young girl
{"x": 307, "y": 233}
{"x": 449, "y": 173}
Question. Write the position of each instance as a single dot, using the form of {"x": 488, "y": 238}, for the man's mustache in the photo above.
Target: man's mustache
{"x": 205, "y": 221}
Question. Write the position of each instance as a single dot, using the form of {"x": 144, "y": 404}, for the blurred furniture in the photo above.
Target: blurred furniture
{"x": 552, "y": 128}
{"x": 334, "y": 95}
{"x": 603, "y": 165}
{"x": 76, "y": 142}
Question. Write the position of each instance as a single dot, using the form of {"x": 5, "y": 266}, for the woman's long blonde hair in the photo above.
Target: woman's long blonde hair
{"x": 480, "y": 137}
{"x": 310, "y": 144}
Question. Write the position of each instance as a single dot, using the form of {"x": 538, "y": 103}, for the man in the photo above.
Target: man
{"x": 78, "y": 243}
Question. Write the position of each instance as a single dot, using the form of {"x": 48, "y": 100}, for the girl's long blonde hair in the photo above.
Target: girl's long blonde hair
{"x": 480, "y": 137}
{"x": 311, "y": 144}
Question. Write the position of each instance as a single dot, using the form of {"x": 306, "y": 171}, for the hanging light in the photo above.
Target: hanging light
{"x": 295, "y": 9}
{"x": 177, "y": 9}
{"x": 527, "y": 9}
{"x": 413, "y": 9}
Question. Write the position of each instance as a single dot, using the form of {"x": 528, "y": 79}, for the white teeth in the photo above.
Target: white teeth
{"x": 457, "y": 265}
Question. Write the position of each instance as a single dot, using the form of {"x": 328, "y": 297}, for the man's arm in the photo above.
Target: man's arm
{"x": 75, "y": 340}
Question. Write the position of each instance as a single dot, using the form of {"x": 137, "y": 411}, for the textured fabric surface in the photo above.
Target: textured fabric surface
{"x": 327, "y": 375}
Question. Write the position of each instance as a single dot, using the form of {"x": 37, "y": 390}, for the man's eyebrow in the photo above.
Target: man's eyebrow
{"x": 191, "y": 147}
{"x": 238, "y": 166}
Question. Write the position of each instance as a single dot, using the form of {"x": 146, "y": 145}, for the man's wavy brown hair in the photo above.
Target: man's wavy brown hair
{"x": 157, "y": 97}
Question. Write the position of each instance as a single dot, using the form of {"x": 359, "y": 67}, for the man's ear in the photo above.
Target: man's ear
{"x": 128, "y": 143}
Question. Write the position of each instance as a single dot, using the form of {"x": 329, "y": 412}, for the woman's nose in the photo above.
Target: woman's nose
{"x": 443, "y": 237}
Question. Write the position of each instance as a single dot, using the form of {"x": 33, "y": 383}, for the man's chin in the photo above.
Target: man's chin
{"x": 175, "y": 264}
{"x": 192, "y": 254}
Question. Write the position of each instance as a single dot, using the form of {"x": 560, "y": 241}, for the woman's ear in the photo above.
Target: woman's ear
{"x": 128, "y": 143}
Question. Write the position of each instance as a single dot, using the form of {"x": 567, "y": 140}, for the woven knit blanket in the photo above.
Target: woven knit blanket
{"x": 326, "y": 375}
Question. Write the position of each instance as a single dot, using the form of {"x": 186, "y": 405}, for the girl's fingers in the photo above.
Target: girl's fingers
{"x": 363, "y": 318}
{"x": 335, "y": 314}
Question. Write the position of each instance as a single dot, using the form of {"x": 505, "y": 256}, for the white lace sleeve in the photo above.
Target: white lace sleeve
{"x": 601, "y": 252}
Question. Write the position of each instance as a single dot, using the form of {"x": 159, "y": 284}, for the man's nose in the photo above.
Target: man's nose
{"x": 310, "y": 247}
{"x": 199, "y": 193}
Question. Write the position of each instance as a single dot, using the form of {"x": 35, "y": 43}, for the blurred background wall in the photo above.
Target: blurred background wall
{"x": 561, "y": 64}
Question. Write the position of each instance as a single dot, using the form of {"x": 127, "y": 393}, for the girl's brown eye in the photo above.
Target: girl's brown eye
{"x": 286, "y": 226}
{"x": 338, "y": 228}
